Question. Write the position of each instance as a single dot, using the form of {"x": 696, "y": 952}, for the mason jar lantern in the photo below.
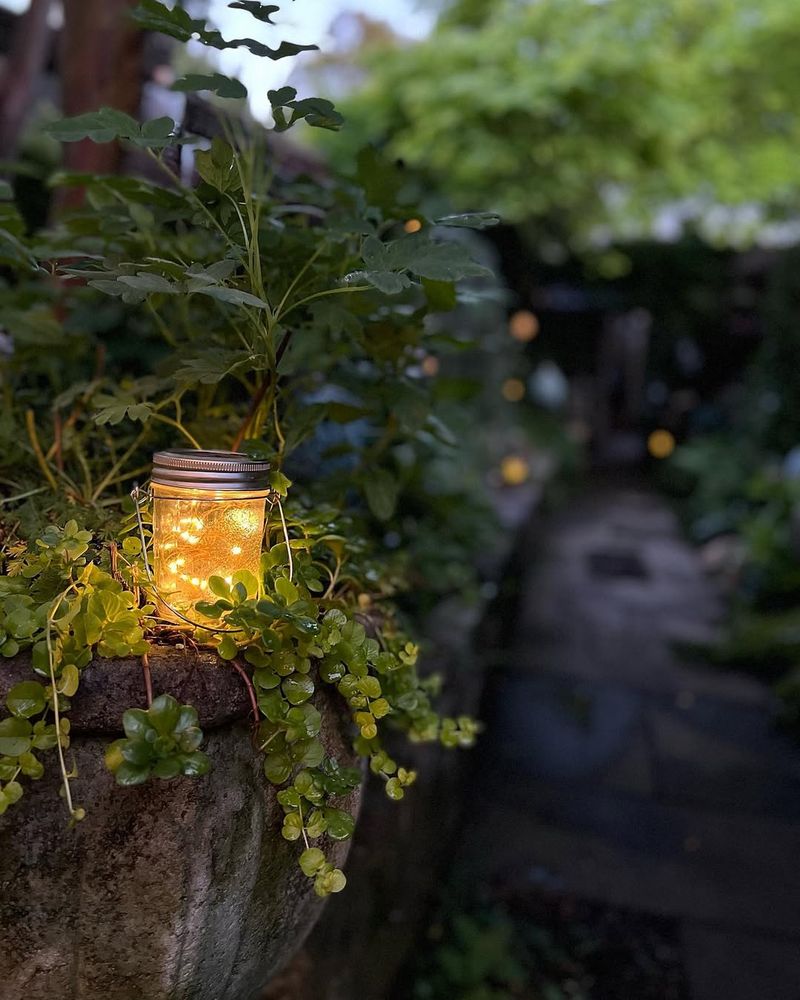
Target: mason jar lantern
{"x": 208, "y": 520}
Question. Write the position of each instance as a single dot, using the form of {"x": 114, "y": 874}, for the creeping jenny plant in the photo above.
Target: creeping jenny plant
{"x": 267, "y": 312}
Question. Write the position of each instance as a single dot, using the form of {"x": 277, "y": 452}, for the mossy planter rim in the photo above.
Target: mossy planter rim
{"x": 110, "y": 686}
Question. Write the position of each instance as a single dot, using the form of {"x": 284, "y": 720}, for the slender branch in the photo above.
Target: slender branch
{"x": 251, "y": 691}
{"x": 295, "y": 281}
{"x": 109, "y": 478}
{"x": 262, "y": 391}
{"x": 22, "y": 496}
{"x": 303, "y": 826}
{"x": 30, "y": 423}
{"x": 179, "y": 426}
{"x": 321, "y": 295}
{"x": 163, "y": 329}
{"x": 56, "y": 711}
{"x": 57, "y": 428}
{"x": 148, "y": 680}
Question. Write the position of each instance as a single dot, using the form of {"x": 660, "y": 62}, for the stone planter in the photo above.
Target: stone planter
{"x": 175, "y": 890}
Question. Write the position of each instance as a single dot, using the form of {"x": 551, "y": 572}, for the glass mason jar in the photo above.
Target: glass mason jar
{"x": 208, "y": 520}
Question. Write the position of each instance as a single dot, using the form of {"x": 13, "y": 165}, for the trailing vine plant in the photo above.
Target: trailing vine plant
{"x": 262, "y": 311}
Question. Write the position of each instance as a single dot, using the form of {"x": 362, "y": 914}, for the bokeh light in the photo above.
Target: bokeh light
{"x": 430, "y": 365}
{"x": 523, "y": 326}
{"x": 661, "y": 444}
{"x": 513, "y": 390}
{"x": 412, "y": 226}
{"x": 514, "y": 470}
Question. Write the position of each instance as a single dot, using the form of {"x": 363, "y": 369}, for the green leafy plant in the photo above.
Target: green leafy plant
{"x": 267, "y": 314}
{"x": 161, "y": 741}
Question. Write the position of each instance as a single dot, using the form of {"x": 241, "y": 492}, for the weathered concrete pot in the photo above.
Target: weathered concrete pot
{"x": 175, "y": 890}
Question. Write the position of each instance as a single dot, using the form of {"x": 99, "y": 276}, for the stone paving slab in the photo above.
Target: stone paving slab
{"x": 667, "y": 860}
{"x": 618, "y": 771}
{"x": 688, "y": 748}
{"x": 726, "y": 965}
{"x": 751, "y": 769}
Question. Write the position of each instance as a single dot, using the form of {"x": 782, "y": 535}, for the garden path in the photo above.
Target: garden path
{"x": 619, "y": 772}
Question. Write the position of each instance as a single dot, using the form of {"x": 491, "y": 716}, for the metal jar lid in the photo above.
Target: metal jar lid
{"x": 209, "y": 470}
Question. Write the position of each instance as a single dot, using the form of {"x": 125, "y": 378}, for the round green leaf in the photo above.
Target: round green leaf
{"x": 277, "y": 767}
{"x": 298, "y": 688}
{"x": 394, "y": 789}
{"x": 130, "y": 774}
{"x": 12, "y": 792}
{"x": 69, "y": 680}
{"x": 340, "y": 824}
{"x": 137, "y": 752}
{"x": 164, "y": 714}
{"x": 135, "y": 722}
{"x": 31, "y": 766}
{"x": 15, "y": 736}
{"x": 196, "y": 764}
{"x": 311, "y": 860}
{"x": 113, "y": 755}
{"x": 227, "y": 648}
{"x": 26, "y": 699}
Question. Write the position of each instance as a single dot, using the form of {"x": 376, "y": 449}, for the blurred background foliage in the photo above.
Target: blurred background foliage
{"x": 583, "y": 115}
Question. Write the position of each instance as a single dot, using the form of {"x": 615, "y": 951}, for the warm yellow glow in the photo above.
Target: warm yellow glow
{"x": 515, "y": 470}
{"x": 203, "y": 533}
{"x": 430, "y": 365}
{"x": 412, "y": 226}
{"x": 523, "y": 325}
{"x": 513, "y": 390}
{"x": 661, "y": 444}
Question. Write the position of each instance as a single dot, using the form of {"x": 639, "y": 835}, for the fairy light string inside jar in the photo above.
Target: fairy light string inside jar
{"x": 208, "y": 520}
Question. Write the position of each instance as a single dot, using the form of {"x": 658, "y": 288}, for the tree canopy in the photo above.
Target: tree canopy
{"x": 594, "y": 112}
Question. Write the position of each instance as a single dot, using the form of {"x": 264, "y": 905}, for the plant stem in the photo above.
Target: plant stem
{"x": 30, "y": 423}
{"x": 321, "y": 295}
{"x": 297, "y": 278}
{"x": 179, "y": 426}
{"x": 303, "y": 826}
{"x": 56, "y": 713}
{"x": 251, "y": 691}
{"x": 148, "y": 680}
{"x": 109, "y": 478}
{"x": 22, "y": 496}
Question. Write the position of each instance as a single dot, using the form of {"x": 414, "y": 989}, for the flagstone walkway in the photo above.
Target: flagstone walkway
{"x": 621, "y": 773}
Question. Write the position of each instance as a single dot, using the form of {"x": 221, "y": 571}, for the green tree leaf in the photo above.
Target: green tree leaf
{"x": 260, "y": 11}
{"x": 108, "y": 124}
{"x": 221, "y": 85}
{"x": 177, "y": 23}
